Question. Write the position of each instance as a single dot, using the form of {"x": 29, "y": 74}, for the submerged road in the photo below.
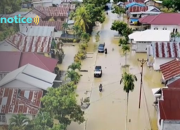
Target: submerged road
{"x": 107, "y": 109}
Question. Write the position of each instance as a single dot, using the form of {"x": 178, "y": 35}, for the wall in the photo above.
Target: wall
{"x": 20, "y": 85}
{"x": 44, "y": 4}
{"x": 142, "y": 47}
{"x": 160, "y": 61}
{"x": 169, "y": 27}
{"x": 150, "y": 2}
{"x": 171, "y": 125}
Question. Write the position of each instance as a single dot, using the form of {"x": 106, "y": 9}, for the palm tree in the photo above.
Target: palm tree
{"x": 85, "y": 37}
{"x": 82, "y": 18}
{"x": 65, "y": 27}
{"x": 76, "y": 29}
{"x": 73, "y": 75}
{"x": 128, "y": 85}
{"x": 18, "y": 121}
{"x": 75, "y": 66}
{"x": 125, "y": 49}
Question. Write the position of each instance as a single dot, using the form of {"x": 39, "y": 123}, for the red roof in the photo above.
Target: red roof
{"x": 163, "y": 19}
{"x": 30, "y": 43}
{"x": 56, "y": 24}
{"x": 12, "y": 61}
{"x": 175, "y": 84}
{"x": 138, "y": 9}
{"x": 17, "y": 101}
{"x": 9, "y": 61}
{"x": 166, "y": 50}
{"x": 146, "y": 19}
{"x": 170, "y": 106}
{"x": 170, "y": 69}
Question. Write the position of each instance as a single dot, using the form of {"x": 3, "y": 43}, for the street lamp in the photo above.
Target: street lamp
{"x": 142, "y": 61}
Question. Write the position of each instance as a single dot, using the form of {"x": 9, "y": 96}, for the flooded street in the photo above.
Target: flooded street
{"x": 107, "y": 109}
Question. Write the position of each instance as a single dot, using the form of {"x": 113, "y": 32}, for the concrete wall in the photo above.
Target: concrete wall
{"x": 160, "y": 61}
{"x": 150, "y": 2}
{"x": 20, "y": 85}
{"x": 171, "y": 125}
{"x": 168, "y": 27}
{"x": 142, "y": 47}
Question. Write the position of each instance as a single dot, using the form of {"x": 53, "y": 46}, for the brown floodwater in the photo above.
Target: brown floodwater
{"x": 108, "y": 109}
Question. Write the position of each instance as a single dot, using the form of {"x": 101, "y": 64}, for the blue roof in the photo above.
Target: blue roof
{"x": 134, "y": 4}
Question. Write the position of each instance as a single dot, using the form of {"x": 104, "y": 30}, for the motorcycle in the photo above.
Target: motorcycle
{"x": 105, "y": 50}
{"x": 100, "y": 88}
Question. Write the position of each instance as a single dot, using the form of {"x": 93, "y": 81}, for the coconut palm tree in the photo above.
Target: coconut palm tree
{"x": 65, "y": 27}
{"x": 73, "y": 75}
{"x": 82, "y": 18}
{"x": 85, "y": 37}
{"x": 125, "y": 49}
{"x": 76, "y": 29}
{"x": 18, "y": 121}
{"x": 128, "y": 85}
{"x": 75, "y": 66}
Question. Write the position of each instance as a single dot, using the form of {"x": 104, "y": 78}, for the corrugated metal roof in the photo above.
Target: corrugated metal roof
{"x": 56, "y": 24}
{"x": 138, "y": 9}
{"x": 166, "y": 49}
{"x": 174, "y": 84}
{"x": 30, "y": 43}
{"x": 14, "y": 60}
{"x": 16, "y": 101}
{"x": 170, "y": 106}
{"x": 31, "y": 75}
{"x": 170, "y": 69}
{"x": 37, "y": 31}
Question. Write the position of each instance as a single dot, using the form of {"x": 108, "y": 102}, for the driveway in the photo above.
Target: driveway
{"x": 107, "y": 109}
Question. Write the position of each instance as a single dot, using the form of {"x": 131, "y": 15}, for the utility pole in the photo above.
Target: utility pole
{"x": 142, "y": 61}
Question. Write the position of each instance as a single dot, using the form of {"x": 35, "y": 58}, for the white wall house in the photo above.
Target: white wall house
{"x": 142, "y": 39}
{"x": 160, "y": 53}
{"x": 28, "y": 77}
{"x": 172, "y": 28}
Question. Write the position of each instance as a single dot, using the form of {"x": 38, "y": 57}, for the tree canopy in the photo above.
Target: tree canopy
{"x": 61, "y": 103}
{"x": 174, "y": 4}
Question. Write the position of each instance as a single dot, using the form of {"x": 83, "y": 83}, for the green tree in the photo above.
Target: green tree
{"x": 75, "y": 66}
{"x": 119, "y": 26}
{"x": 128, "y": 85}
{"x": 125, "y": 49}
{"x": 122, "y": 42}
{"x": 126, "y": 32}
{"x": 73, "y": 75}
{"x": 168, "y": 10}
{"x": 65, "y": 27}
{"x": 58, "y": 127}
{"x": 18, "y": 122}
{"x": 85, "y": 37}
{"x": 98, "y": 3}
{"x": 76, "y": 30}
{"x": 82, "y": 18}
{"x": 119, "y": 10}
{"x": 167, "y": 3}
{"x": 62, "y": 104}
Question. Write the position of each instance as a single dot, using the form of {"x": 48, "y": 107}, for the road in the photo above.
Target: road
{"x": 107, "y": 109}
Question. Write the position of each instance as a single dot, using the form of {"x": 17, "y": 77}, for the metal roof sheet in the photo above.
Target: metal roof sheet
{"x": 32, "y": 75}
{"x": 170, "y": 106}
{"x": 138, "y": 9}
{"x": 17, "y": 101}
{"x": 170, "y": 69}
{"x": 30, "y": 43}
{"x": 166, "y": 49}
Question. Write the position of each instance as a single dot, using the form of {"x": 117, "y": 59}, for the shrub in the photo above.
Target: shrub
{"x": 83, "y": 46}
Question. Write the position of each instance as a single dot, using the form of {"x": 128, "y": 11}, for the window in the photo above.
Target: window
{"x": 62, "y": 19}
{"x": 2, "y": 118}
{"x": 155, "y": 28}
{"x": 164, "y": 28}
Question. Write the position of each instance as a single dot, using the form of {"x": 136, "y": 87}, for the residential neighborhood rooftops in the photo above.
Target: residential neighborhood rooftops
{"x": 32, "y": 75}
{"x": 37, "y": 31}
{"x": 29, "y": 43}
{"x": 165, "y": 50}
{"x": 14, "y": 60}
{"x": 162, "y": 19}
{"x": 56, "y": 24}
{"x": 170, "y": 69}
{"x": 138, "y": 8}
{"x": 170, "y": 107}
{"x": 16, "y": 101}
{"x": 151, "y": 35}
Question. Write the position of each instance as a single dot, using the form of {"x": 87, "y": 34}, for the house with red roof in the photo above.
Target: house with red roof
{"x": 15, "y": 60}
{"x": 163, "y": 21}
{"x": 15, "y": 101}
{"x": 162, "y": 53}
{"x": 156, "y": 3}
{"x": 169, "y": 109}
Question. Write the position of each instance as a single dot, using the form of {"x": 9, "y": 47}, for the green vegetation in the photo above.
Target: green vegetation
{"x": 119, "y": 10}
{"x": 125, "y": 49}
{"x": 171, "y": 4}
